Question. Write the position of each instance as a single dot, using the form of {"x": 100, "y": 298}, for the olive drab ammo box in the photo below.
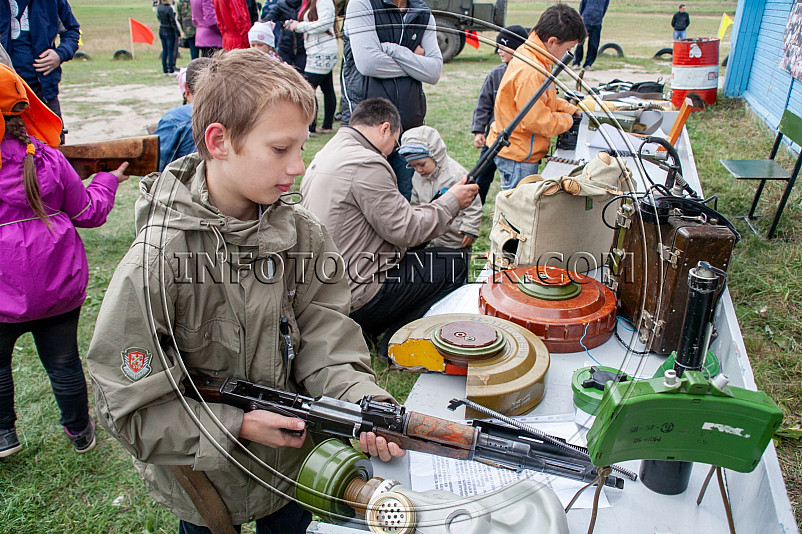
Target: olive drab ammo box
{"x": 656, "y": 244}
{"x": 558, "y": 221}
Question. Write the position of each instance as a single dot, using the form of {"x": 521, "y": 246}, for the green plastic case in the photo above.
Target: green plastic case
{"x": 589, "y": 399}
{"x": 691, "y": 421}
{"x": 711, "y": 364}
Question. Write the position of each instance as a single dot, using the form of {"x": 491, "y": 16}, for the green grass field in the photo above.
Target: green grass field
{"x": 48, "y": 488}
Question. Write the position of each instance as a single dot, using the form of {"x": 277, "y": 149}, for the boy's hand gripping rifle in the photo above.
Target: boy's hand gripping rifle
{"x": 492, "y": 443}
{"x": 503, "y": 139}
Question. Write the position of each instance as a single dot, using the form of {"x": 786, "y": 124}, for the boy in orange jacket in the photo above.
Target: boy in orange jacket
{"x": 559, "y": 29}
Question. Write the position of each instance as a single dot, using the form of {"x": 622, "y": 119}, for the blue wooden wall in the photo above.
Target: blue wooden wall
{"x": 753, "y": 69}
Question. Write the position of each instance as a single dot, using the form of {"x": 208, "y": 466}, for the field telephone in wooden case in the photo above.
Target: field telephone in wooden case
{"x": 658, "y": 238}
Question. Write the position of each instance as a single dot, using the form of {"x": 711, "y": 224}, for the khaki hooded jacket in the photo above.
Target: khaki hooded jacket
{"x": 204, "y": 293}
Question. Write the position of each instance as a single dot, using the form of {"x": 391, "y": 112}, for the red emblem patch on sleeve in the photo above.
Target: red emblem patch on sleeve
{"x": 136, "y": 363}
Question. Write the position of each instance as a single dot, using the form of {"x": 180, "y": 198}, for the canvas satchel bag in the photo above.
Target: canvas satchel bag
{"x": 558, "y": 221}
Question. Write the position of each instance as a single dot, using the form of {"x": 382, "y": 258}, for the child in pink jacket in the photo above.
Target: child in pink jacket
{"x": 43, "y": 275}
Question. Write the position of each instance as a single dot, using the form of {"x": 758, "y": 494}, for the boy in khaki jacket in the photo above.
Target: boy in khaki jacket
{"x": 219, "y": 260}
{"x": 558, "y": 30}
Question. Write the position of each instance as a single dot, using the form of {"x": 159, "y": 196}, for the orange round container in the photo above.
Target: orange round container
{"x": 695, "y": 70}
{"x": 565, "y": 309}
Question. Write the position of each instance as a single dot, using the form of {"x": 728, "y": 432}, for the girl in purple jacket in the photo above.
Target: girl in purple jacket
{"x": 43, "y": 275}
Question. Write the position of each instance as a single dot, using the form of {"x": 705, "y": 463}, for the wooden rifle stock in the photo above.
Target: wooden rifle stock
{"x": 208, "y": 387}
{"x": 141, "y": 153}
{"x": 433, "y": 435}
{"x": 410, "y": 443}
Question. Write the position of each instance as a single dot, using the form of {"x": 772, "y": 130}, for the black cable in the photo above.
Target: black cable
{"x": 640, "y": 158}
{"x": 617, "y": 197}
{"x": 626, "y": 346}
{"x": 711, "y": 198}
{"x": 634, "y": 198}
{"x": 661, "y": 188}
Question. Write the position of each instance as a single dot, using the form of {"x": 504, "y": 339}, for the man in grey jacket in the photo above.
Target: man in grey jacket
{"x": 351, "y": 187}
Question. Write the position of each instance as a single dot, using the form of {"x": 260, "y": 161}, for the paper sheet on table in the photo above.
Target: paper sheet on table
{"x": 466, "y": 478}
{"x": 462, "y": 300}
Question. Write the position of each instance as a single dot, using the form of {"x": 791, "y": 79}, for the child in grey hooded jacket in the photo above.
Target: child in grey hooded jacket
{"x": 435, "y": 173}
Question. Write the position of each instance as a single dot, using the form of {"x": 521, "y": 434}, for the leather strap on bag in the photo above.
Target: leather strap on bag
{"x": 526, "y": 180}
{"x": 507, "y": 228}
{"x": 205, "y": 497}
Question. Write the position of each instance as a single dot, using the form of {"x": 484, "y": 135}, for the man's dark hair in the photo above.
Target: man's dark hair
{"x": 681, "y": 6}
{"x": 563, "y": 22}
{"x": 194, "y": 68}
{"x": 375, "y": 111}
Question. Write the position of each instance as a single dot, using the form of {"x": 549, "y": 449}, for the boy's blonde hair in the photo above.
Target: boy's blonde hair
{"x": 237, "y": 87}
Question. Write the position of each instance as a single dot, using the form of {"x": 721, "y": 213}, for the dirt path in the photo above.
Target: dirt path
{"x": 94, "y": 113}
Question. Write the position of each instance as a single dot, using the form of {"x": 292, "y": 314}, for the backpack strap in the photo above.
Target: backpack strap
{"x": 532, "y": 178}
{"x": 507, "y": 228}
{"x": 205, "y": 497}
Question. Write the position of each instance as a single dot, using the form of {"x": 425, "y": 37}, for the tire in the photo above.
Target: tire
{"x": 447, "y": 38}
{"x": 82, "y": 55}
{"x": 461, "y": 41}
{"x": 500, "y": 13}
{"x": 619, "y": 52}
{"x": 664, "y": 52}
{"x": 726, "y": 60}
{"x": 123, "y": 54}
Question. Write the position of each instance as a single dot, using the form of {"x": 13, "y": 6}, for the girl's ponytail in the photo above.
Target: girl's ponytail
{"x": 16, "y": 128}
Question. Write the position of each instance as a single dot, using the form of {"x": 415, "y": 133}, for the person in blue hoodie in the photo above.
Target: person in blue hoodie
{"x": 592, "y": 12}
{"x": 175, "y": 127}
{"x": 28, "y": 31}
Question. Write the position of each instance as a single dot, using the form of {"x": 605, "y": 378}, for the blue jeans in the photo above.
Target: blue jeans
{"x": 291, "y": 519}
{"x": 169, "y": 48}
{"x": 512, "y": 172}
{"x": 594, "y": 36}
{"x": 193, "y": 50}
{"x": 679, "y": 34}
{"x": 56, "y": 340}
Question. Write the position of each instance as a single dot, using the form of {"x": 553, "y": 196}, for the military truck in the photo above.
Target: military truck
{"x": 453, "y": 17}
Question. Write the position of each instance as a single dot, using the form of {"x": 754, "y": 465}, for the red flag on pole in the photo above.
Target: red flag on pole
{"x": 140, "y": 33}
{"x": 471, "y": 39}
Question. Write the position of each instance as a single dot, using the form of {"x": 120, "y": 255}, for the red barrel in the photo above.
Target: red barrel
{"x": 695, "y": 70}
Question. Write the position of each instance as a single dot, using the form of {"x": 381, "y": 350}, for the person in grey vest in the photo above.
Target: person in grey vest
{"x": 393, "y": 45}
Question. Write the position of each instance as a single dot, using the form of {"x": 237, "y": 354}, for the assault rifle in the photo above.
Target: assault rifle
{"x": 496, "y": 444}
